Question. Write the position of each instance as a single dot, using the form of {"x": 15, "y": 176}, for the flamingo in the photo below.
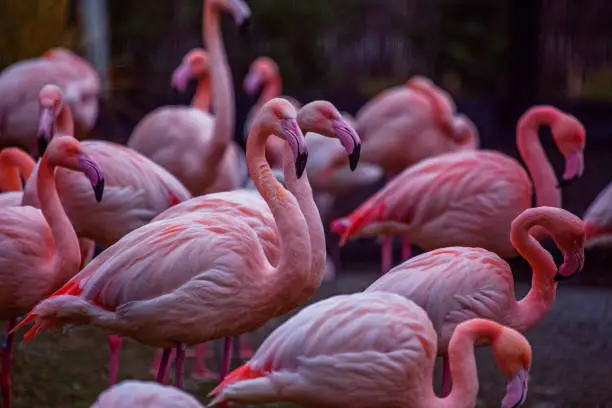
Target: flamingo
{"x": 21, "y": 83}
{"x": 317, "y": 116}
{"x": 188, "y": 141}
{"x": 137, "y": 190}
{"x": 159, "y": 284}
{"x": 15, "y": 166}
{"x": 456, "y": 284}
{"x": 264, "y": 74}
{"x": 39, "y": 248}
{"x": 598, "y": 219}
{"x": 141, "y": 394}
{"x": 369, "y": 350}
{"x": 470, "y": 198}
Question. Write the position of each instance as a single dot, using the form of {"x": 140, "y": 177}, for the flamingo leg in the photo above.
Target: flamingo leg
{"x": 406, "y": 248}
{"x": 163, "y": 366}
{"x": 225, "y": 363}
{"x": 114, "y": 344}
{"x": 179, "y": 366}
{"x": 7, "y": 361}
{"x": 201, "y": 371}
{"x": 386, "y": 245}
{"x": 447, "y": 382}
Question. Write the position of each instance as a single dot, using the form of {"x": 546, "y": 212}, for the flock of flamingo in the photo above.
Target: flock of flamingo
{"x": 203, "y": 242}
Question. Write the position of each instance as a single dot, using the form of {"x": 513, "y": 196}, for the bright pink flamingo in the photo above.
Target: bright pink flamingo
{"x": 140, "y": 394}
{"x": 470, "y": 198}
{"x": 137, "y": 190}
{"x": 188, "y": 141}
{"x": 456, "y": 284}
{"x": 598, "y": 219}
{"x": 21, "y": 82}
{"x": 264, "y": 74}
{"x": 250, "y": 207}
{"x": 369, "y": 350}
{"x": 39, "y": 248}
{"x": 160, "y": 285}
{"x": 15, "y": 166}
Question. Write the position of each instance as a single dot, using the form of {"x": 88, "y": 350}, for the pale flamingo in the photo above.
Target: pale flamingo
{"x": 264, "y": 74}
{"x": 369, "y": 350}
{"x": 455, "y": 284}
{"x": 318, "y": 116}
{"x": 39, "y": 248}
{"x": 187, "y": 140}
{"x": 140, "y": 394}
{"x": 160, "y": 286}
{"x": 21, "y": 83}
{"x": 470, "y": 198}
{"x": 598, "y": 219}
{"x": 15, "y": 167}
{"x": 137, "y": 189}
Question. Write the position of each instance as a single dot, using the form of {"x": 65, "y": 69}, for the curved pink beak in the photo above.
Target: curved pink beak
{"x": 181, "y": 77}
{"x": 574, "y": 166}
{"x": 252, "y": 83}
{"x": 45, "y": 129}
{"x": 93, "y": 171}
{"x": 516, "y": 390}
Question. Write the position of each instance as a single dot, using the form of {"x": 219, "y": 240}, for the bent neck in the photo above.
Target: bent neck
{"x": 531, "y": 151}
{"x": 68, "y": 256}
{"x": 293, "y": 267}
{"x": 14, "y": 164}
{"x": 223, "y": 92}
{"x": 441, "y": 114}
{"x": 538, "y": 301}
{"x": 201, "y": 99}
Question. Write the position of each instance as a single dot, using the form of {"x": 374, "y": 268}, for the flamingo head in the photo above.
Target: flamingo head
{"x": 570, "y": 237}
{"x": 50, "y": 100}
{"x": 323, "y": 118}
{"x": 66, "y": 151}
{"x": 195, "y": 65}
{"x": 262, "y": 70}
{"x": 513, "y": 355}
{"x": 570, "y": 136}
{"x": 237, "y": 8}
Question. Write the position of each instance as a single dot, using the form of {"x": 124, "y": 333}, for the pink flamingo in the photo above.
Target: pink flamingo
{"x": 370, "y": 350}
{"x": 21, "y": 83}
{"x": 39, "y": 247}
{"x": 456, "y": 284}
{"x": 264, "y": 74}
{"x": 160, "y": 285}
{"x": 189, "y": 141}
{"x": 15, "y": 166}
{"x": 250, "y": 207}
{"x": 470, "y": 198}
{"x": 598, "y": 219}
{"x": 140, "y": 394}
{"x": 137, "y": 190}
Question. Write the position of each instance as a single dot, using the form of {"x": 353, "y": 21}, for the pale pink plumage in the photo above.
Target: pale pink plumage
{"x": 458, "y": 283}
{"x": 21, "y": 83}
{"x": 370, "y": 350}
{"x": 140, "y": 394}
{"x": 598, "y": 219}
{"x": 470, "y": 198}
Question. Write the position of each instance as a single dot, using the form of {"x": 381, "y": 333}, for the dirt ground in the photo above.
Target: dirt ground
{"x": 571, "y": 368}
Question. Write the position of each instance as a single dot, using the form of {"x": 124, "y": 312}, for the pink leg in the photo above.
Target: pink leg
{"x": 7, "y": 362}
{"x": 386, "y": 244}
{"x": 447, "y": 382}
{"x": 406, "y": 248}
{"x": 163, "y": 366}
{"x": 178, "y": 367}
{"x": 225, "y": 363}
{"x": 201, "y": 371}
{"x": 114, "y": 344}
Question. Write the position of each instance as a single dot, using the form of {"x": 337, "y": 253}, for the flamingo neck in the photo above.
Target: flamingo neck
{"x": 64, "y": 123}
{"x": 534, "y": 306}
{"x": 201, "y": 99}
{"x": 68, "y": 256}
{"x": 531, "y": 151}
{"x": 223, "y": 91}
{"x": 294, "y": 266}
{"x": 14, "y": 164}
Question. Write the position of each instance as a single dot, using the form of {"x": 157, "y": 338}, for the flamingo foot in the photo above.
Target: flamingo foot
{"x": 7, "y": 362}
{"x": 447, "y": 382}
{"x": 179, "y": 366}
{"x": 201, "y": 371}
{"x": 406, "y": 249}
{"x": 386, "y": 244}
{"x": 114, "y": 344}
{"x": 163, "y": 366}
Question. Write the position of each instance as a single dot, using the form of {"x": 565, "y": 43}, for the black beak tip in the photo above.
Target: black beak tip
{"x": 565, "y": 183}
{"x": 300, "y": 164}
{"x": 354, "y": 157}
{"x": 245, "y": 27}
{"x": 99, "y": 190}
{"x": 42, "y": 145}
{"x": 560, "y": 278}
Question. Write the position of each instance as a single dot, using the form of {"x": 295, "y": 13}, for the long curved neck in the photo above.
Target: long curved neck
{"x": 64, "y": 123}
{"x": 302, "y": 191}
{"x": 532, "y": 308}
{"x": 68, "y": 256}
{"x": 14, "y": 164}
{"x": 293, "y": 267}
{"x": 441, "y": 115}
{"x": 531, "y": 151}
{"x": 201, "y": 99}
{"x": 223, "y": 91}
